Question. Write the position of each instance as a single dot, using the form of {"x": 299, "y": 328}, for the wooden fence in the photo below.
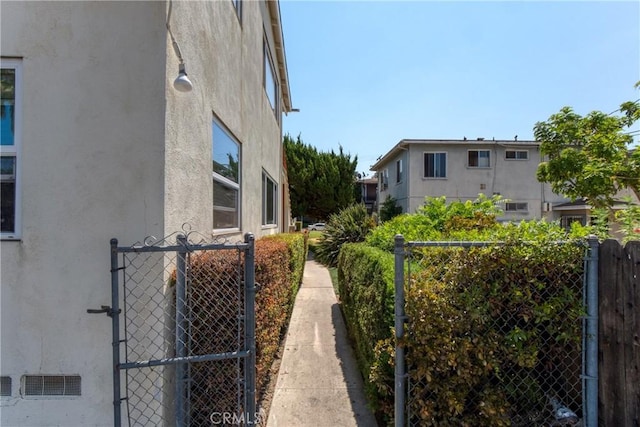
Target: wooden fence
{"x": 619, "y": 330}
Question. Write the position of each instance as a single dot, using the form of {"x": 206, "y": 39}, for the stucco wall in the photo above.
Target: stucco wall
{"x": 92, "y": 169}
{"x": 225, "y": 63}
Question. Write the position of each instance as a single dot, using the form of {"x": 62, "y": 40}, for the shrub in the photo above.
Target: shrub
{"x": 437, "y": 220}
{"x": 493, "y": 329}
{"x": 365, "y": 282}
{"x": 297, "y": 245}
{"x": 215, "y": 304}
{"x": 350, "y": 225}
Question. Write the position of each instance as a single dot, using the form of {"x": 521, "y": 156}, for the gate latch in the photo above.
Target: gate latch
{"x": 103, "y": 309}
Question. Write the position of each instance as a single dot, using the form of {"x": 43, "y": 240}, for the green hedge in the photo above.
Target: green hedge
{"x": 365, "y": 284}
{"x": 279, "y": 264}
{"x": 298, "y": 247}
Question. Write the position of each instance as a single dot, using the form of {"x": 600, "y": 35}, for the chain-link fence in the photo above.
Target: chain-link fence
{"x": 490, "y": 334}
{"x": 183, "y": 333}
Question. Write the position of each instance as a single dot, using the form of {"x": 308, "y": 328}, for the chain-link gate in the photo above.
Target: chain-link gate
{"x": 488, "y": 340}
{"x": 183, "y": 333}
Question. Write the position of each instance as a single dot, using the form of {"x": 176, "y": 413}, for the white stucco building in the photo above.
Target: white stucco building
{"x": 97, "y": 143}
{"x": 462, "y": 169}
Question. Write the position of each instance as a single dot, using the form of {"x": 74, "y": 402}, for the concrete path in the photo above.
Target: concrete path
{"x": 319, "y": 383}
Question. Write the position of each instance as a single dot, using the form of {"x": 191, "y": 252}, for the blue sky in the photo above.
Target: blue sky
{"x": 366, "y": 74}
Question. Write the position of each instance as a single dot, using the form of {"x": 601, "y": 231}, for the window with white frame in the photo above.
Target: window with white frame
{"x": 516, "y": 207}
{"x": 269, "y": 81}
{"x": 517, "y": 155}
{"x": 399, "y": 170}
{"x": 269, "y": 200}
{"x": 226, "y": 178}
{"x": 435, "y": 165}
{"x": 479, "y": 159}
{"x": 10, "y": 133}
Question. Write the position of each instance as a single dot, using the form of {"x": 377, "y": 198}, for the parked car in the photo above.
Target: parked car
{"x": 317, "y": 226}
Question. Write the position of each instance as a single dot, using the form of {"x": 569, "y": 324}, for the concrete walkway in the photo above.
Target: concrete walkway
{"x": 319, "y": 383}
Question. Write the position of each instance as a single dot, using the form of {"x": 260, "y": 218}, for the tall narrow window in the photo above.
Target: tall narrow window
{"x": 226, "y": 178}
{"x": 399, "y": 170}
{"x": 269, "y": 200}
{"x": 10, "y": 114}
{"x": 435, "y": 165}
{"x": 270, "y": 85}
{"x": 479, "y": 159}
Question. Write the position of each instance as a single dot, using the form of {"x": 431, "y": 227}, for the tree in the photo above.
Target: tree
{"x": 320, "y": 183}
{"x": 590, "y": 156}
{"x": 389, "y": 209}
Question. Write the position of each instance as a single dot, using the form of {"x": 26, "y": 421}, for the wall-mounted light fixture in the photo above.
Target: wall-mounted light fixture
{"x": 182, "y": 82}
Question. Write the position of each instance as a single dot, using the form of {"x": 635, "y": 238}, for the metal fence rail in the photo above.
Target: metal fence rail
{"x": 183, "y": 322}
{"x": 526, "y": 331}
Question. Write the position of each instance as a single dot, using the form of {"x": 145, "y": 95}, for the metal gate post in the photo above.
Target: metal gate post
{"x": 181, "y": 331}
{"x": 399, "y": 406}
{"x": 115, "y": 332}
{"x": 590, "y": 373}
{"x": 250, "y": 331}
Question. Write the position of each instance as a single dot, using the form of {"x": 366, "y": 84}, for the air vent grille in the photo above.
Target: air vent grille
{"x": 51, "y": 385}
{"x": 5, "y": 386}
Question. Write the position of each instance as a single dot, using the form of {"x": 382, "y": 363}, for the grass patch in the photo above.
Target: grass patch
{"x": 333, "y": 272}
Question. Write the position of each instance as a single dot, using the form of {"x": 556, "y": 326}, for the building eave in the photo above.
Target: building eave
{"x": 404, "y": 143}
{"x": 276, "y": 26}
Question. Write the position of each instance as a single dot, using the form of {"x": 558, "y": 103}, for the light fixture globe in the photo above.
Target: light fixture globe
{"x": 182, "y": 82}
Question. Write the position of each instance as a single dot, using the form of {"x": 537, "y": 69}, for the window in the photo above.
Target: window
{"x": 479, "y": 159}
{"x": 399, "y": 170}
{"x": 517, "y": 155}
{"x": 384, "y": 179}
{"x": 269, "y": 200}
{"x": 270, "y": 85}
{"x": 226, "y": 178}
{"x": 10, "y": 120}
{"x": 567, "y": 220}
{"x": 435, "y": 165}
{"x": 516, "y": 207}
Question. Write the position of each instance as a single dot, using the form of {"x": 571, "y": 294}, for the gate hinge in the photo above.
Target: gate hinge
{"x": 103, "y": 309}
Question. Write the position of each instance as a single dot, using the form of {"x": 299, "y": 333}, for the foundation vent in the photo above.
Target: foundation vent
{"x": 51, "y": 385}
{"x": 5, "y": 386}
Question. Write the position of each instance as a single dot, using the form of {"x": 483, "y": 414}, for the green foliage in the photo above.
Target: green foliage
{"x": 350, "y": 225}
{"x": 365, "y": 284}
{"x": 487, "y": 316}
{"x": 629, "y": 219}
{"x": 320, "y": 183}
{"x": 279, "y": 263}
{"x": 389, "y": 209}
{"x": 297, "y": 245}
{"x": 480, "y": 318}
{"x": 437, "y": 220}
{"x": 590, "y": 156}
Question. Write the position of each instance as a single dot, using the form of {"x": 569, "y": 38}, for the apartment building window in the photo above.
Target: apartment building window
{"x": 399, "y": 171}
{"x": 517, "y": 155}
{"x": 567, "y": 220}
{"x": 10, "y": 141}
{"x": 226, "y": 178}
{"x": 270, "y": 84}
{"x": 479, "y": 159}
{"x": 384, "y": 179}
{"x": 269, "y": 200}
{"x": 516, "y": 207}
{"x": 435, "y": 165}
